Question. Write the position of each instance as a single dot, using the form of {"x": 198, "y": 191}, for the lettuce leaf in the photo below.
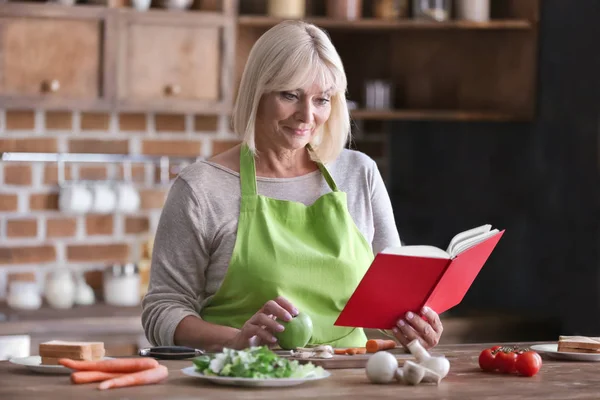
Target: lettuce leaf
{"x": 254, "y": 362}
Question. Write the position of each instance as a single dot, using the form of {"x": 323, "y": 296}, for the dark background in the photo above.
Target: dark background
{"x": 537, "y": 180}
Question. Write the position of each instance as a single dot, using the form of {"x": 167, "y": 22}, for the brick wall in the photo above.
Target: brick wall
{"x": 36, "y": 237}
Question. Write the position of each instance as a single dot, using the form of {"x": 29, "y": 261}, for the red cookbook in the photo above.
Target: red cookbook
{"x": 407, "y": 278}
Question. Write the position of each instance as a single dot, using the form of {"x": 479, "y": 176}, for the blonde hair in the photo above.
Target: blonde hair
{"x": 289, "y": 56}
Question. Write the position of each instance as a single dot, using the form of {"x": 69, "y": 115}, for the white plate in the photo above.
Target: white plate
{"x": 551, "y": 350}
{"x": 34, "y": 363}
{"x": 251, "y": 382}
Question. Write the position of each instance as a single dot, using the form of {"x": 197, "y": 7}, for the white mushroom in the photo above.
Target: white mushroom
{"x": 413, "y": 374}
{"x": 399, "y": 375}
{"x": 439, "y": 364}
{"x": 323, "y": 354}
{"x": 381, "y": 367}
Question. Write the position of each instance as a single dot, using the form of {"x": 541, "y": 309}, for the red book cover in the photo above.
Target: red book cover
{"x": 395, "y": 284}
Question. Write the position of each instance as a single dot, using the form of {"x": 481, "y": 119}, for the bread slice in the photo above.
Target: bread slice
{"x": 579, "y": 344}
{"x": 53, "y": 350}
{"x": 50, "y": 360}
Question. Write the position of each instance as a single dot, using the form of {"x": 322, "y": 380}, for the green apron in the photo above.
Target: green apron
{"x": 314, "y": 256}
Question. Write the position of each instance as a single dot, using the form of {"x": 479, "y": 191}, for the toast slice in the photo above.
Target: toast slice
{"x": 53, "y": 350}
{"x": 579, "y": 344}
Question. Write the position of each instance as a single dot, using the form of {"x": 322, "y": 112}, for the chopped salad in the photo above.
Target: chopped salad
{"x": 254, "y": 362}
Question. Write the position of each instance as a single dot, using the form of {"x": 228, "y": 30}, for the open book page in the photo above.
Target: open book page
{"x": 466, "y": 235}
{"x": 459, "y": 243}
{"x": 468, "y": 243}
{"x": 417, "y": 251}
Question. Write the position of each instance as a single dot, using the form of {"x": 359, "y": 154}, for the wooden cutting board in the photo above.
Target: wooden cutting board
{"x": 346, "y": 361}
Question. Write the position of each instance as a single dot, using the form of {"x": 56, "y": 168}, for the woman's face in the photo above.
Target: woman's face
{"x": 290, "y": 119}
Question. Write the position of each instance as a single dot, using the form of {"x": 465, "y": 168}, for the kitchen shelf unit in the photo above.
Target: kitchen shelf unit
{"x": 441, "y": 71}
{"x": 261, "y": 21}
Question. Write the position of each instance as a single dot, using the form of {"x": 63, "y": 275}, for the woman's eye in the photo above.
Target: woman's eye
{"x": 289, "y": 96}
{"x": 322, "y": 101}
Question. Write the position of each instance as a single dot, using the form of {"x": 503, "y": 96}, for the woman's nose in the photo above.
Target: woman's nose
{"x": 304, "y": 113}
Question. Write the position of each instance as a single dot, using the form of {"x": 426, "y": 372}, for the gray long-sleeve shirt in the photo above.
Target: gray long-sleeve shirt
{"x": 197, "y": 230}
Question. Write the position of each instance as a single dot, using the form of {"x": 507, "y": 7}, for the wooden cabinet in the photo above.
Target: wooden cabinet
{"x": 171, "y": 64}
{"x": 117, "y": 59}
{"x": 52, "y": 58}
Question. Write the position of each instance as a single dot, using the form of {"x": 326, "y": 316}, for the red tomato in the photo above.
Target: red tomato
{"x": 487, "y": 360}
{"x": 507, "y": 362}
{"x": 528, "y": 363}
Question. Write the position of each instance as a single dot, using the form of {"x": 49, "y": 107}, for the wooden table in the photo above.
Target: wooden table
{"x": 556, "y": 380}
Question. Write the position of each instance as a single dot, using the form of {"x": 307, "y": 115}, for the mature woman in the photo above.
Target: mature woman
{"x": 287, "y": 221}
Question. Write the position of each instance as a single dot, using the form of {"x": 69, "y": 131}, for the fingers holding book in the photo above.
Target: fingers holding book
{"x": 427, "y": 329}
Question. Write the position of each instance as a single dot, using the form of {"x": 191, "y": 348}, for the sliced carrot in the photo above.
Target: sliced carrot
{"x": 116, "y": 365}
{"x": 92, "y": 376}
{"x": 339, "y": 352}
{"x": 145, "y": 377}
{"x": 375, "y": 345}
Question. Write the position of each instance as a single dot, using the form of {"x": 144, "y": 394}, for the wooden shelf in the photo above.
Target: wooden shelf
{"x": 434, "y": 115}
{"x": 261, "y": 21}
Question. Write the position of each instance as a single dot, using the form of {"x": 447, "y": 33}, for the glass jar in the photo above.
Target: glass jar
{"x": 287, "y": 8}
{"x": 390, "y": 9}
{"x": 432, "y": 10}
{"x": 344, "y": 9}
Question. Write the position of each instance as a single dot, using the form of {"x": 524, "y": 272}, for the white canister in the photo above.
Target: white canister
{"x": 24, "y": 295}
{"x": 122, "y": 285}
{"x": 287, "y": 8}
{"x": 60, "y": 289}
{"x": 473, "y": 10}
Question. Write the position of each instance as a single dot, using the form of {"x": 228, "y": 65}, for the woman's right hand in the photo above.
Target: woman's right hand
{"x": 260, "y": 328}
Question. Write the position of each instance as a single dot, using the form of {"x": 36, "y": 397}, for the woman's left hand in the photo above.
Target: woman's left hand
{"x": 426, "y": 327}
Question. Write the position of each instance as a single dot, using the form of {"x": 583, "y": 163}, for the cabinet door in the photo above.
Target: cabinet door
{"x": 50, "y": 61}
{"x": 171, "y": 66}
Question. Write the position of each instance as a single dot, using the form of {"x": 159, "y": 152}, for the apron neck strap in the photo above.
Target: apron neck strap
{"x": 248, "y": 172}
{"x": 324, "y": 171}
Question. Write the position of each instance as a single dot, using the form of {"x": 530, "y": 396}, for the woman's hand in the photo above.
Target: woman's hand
{"x": 428, "y": 329}
{"x": 259, "y": 329}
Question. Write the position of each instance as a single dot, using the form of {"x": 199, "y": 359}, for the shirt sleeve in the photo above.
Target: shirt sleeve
{"x": 179, "y": 260}
{"x": 385, "y": 230}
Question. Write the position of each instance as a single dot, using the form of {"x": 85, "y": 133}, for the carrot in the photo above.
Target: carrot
{"x": 339, "y": 352}
{"x": 375, "y": 345}
{"x": 92, "y": 376}
{"x": 116, "y": 365}
{"x": 145, "y": 377}
{"x": 356, "y": 350}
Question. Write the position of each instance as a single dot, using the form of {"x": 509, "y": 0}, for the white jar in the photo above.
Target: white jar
{"x": 122, "y": 285}
{"x": 24, "y": 295}
{"x": 60, "y": 289}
